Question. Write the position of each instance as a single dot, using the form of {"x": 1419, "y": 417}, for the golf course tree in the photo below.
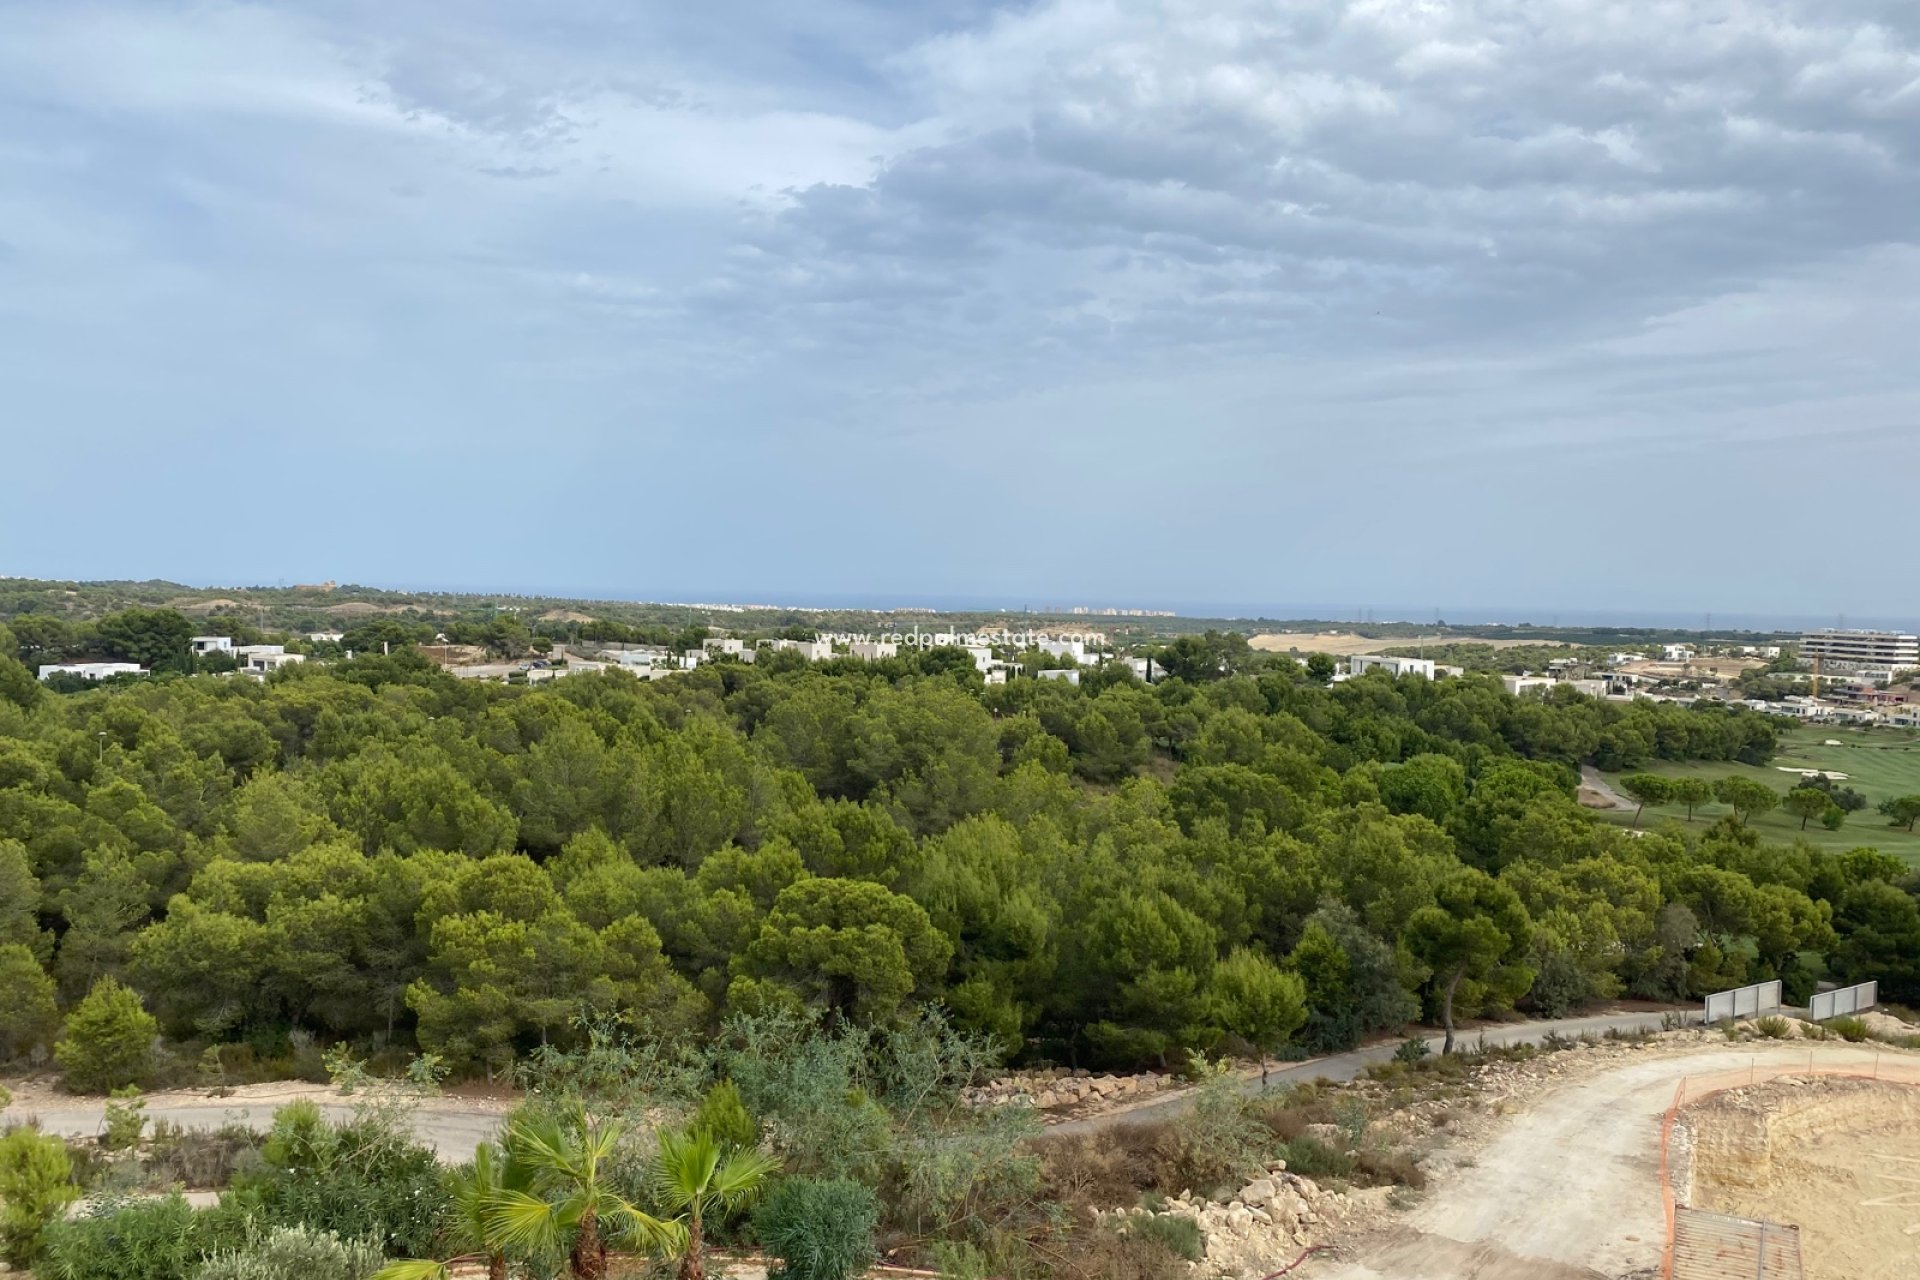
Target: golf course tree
{"x": 1748, "y": 799}
{"x": 1689, "y": 792}
{"x": 1476, "y": 930}
{"x": 1808, "y": 803}
{"x": 1902, "y": 811}
{"x": 1646, "y": 789}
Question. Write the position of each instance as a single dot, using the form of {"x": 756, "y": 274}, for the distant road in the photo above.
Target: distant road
{"x": 454, "y": 1126}
{"x": 1593, "y": 780}
{"x": 1352, "y": 1065}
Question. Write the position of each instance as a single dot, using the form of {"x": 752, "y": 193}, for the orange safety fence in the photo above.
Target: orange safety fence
{"x": 1694, "y": 1088}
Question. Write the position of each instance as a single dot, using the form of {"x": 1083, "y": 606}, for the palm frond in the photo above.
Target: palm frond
{"x": 741, "y": 1175}
{"x": 683, "y": 1168}
{"x": 636, "y": 1227}
{"x": 412, "y": 1269}
{"x": 523, "y": 1222}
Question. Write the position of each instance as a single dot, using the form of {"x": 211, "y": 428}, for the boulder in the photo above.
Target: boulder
{"x": 1259, "y": 1191}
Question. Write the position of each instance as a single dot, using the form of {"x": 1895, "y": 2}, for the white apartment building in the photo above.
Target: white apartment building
{"x": 1075, "y": 649}
{"x": 873, "y": 650}
{"x": 211, "y": 644}
{"x": 1677, "y": 653}
{"x": 1360, "y": 663}
{"x": 1847, "y": 650}
{"x": 1528, "y": 684}
{"x": 92, "y": 670}
{"x": 720, "y": 644}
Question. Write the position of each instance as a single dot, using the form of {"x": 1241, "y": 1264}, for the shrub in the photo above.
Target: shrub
{"x": 1412, "y": 1049}
{"x": 819, "y": 1229}
{"x": 1107, "y": 1253}
{"x": 365, "y": 1179}
{"x": 723, "y": 1115}
{"x": 1177, "y": 1232}
{"x": 1773, "y": 1027}
{"x": 295, "y": 1253}
{"x": 960, "y": 1260}
{"x": 1313, "y": 1158}
{"x": 139, "y": 1240}
{"x": 198, "y": 1157}
{"x": 36, "y": 1185}
{"x": 126, "y": 1120}
{"x": 1849, "y": 1027}
{"x": 108, "y": 1041}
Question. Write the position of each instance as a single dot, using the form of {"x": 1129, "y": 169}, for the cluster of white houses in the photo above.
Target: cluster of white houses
{"x": 259, "y": 660}
{"x": 655, "y": 661}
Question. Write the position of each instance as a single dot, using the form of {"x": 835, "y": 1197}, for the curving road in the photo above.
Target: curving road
{"x": 1351, "y": 1065}
{"x": 454, "y": 1126}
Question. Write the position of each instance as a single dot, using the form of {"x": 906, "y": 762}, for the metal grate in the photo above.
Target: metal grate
{"x": 1713, "y": 1246}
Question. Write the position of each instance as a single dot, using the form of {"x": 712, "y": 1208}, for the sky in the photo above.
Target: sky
{"x": 1554, "y": 304}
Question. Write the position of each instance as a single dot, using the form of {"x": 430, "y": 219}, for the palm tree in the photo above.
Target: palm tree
{"x": 474, "y": 1188}
{"x": 694, "y": 1175}
{"x": 569, "y": 1201}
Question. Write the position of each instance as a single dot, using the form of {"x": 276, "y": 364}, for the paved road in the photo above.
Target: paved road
{"x": 453, "y": 1132}
{"x": 453, "y": 1129}
{"x": 1349, "y": 1066}
{"x": 1592, "y": 779}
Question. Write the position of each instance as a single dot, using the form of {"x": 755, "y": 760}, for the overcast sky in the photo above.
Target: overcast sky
{"x": 1563, "y": 304}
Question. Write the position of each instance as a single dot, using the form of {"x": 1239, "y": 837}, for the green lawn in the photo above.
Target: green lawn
{"x": 1878, "y": 763}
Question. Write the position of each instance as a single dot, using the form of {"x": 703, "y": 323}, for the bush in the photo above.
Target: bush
{"x": 819, "y": 1229}
{"x": 1849, "y": 1027}
{"x": 126, "y": 1120}
{"x": 1412, "y": 1049}
{"x": 1107, "y": 1253}
{"x": 139, "y": 1240}
{"x": 1313, "y": 1158}
{"x": 295, "y": 1253}
{"x": 36, "y": 1185}
{"x": 108, "y": 1041}
{"x": 1773, "y": 1027}
{"x": 726, "y": 1117}
{"x": 365, "y": 1179}
{"x": 1178, "y": 1233}
{"x": 196, "y": 1158}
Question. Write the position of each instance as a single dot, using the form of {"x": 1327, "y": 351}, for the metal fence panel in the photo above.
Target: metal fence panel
{"x": 1832, "y": 1004}
{"x": 1744, "y": 1002}
{"x": 1713, "y": 1246}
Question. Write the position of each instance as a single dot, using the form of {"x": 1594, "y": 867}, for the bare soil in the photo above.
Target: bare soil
{"x": 1341, "y": 644}
{"x": 1566, "y": 1182}
{"x": 1840, "y": 1159}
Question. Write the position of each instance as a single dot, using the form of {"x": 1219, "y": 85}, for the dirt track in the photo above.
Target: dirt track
{"x": 1567, "y": 1187}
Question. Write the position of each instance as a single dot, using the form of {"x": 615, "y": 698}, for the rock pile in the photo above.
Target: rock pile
{"x": 1266, "y": 1224}
{"x": 1060, "y": 1089}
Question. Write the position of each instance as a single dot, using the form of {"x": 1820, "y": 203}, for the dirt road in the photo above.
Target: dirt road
{"x": 1350, "y": 1066}
{"x": 1568, "y": 1187}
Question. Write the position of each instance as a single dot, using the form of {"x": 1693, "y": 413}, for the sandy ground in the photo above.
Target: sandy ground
{"x": 1567, "y": 1186}
{"x": 1840, "y": 1159}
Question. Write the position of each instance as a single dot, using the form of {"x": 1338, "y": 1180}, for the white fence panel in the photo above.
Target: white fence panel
{"x": 1744, "y": 1002}
{"x": 1832, "y": 1004}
